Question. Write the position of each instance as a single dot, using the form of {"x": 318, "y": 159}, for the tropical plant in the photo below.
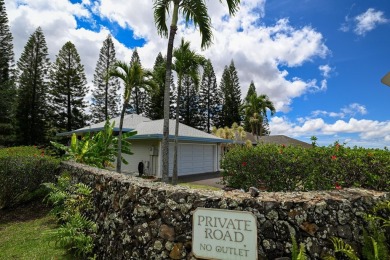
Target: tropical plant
{"x": 98, "y": 150}
{"x": 131, "y": 75}
{"x": 196, "y": 13}
{"x": 288, "y": 168}
{"x": 187, "y": 63}
{"x": 256, "y": 109}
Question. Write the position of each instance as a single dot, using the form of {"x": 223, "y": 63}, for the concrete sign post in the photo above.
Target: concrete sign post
{"x": 224, "y": 234}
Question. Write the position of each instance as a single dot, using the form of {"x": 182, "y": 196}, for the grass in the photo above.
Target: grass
{"x": 199, "y": 186}
{"x": 29, "y": 239}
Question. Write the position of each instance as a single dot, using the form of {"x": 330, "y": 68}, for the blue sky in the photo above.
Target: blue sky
{"x": 320, "y": 62}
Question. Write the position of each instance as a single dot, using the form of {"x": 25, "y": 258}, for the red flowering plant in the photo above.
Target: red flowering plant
{"x": 316, "y": 168}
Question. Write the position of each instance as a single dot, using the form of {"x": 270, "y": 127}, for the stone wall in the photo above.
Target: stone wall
{"x": 140, "y": 219}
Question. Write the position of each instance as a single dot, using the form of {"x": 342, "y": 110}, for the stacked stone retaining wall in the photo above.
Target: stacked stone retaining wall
{"x": 140, "y": 219}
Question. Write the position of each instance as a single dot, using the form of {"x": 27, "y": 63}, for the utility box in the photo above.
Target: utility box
{"x": 153, "y": 150}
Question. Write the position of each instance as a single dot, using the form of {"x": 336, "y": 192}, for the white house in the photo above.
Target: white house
{"x": 198, "y": 152}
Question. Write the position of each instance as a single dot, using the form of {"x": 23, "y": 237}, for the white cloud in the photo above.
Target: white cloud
{"x": 259, "y": 51}
{"x": 325, "y": 70}
{"x": 367, "y": 133}
{"x": 364, "y": 22}
{"x": 347, "y": 111}
{"x": 368, "y": 20}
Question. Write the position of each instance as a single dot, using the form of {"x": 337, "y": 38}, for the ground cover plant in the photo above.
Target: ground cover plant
{"x": 289, "y": 168}
{"x": 71, "y": 205}
{"x": 22, "y": 171}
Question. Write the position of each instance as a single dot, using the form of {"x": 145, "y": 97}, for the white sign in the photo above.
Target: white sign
{"x": 224, "y": 234}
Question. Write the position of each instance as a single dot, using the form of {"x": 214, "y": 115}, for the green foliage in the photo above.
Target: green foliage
{"x": 22, "y": 171}
{"x": 297, "y": 253}
{"x": 32, "y": 99}
{"x": 209, "y": 99}
{"x": 98, "y": 150}
{"x": 7, "y": 86}
{"x": 375, "y": 246}
{"x": 341, "y": 249}
{"x": 68, "y": 88}
{"x": 231, "y": 95}
{"x": 71, "y": 205}
{"x": 105, "y": 98}
{"x": 289, "y": 168}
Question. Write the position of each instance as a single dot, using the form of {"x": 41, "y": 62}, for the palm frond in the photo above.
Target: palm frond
{"x": 233, "y": 6}
{"x": 196, "y": 11}
{"x": 161, "y": 8}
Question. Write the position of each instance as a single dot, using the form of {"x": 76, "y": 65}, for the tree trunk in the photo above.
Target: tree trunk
{"x": 119, "y": 157}
{"x": 168, "y": 72}
{"x": 174, "y": 174}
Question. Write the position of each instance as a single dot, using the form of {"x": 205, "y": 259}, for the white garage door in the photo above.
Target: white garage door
{"x": 195, "y": 158}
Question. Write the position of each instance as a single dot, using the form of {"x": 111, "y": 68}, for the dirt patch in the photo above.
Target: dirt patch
{"x": 28, "y": 211}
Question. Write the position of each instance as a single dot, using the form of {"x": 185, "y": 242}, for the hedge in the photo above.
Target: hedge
{"x": 22, "y": 171}
{"x": 289, "y": 168}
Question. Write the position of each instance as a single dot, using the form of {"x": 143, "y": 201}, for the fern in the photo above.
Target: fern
{"x": 341, "y": 247}
{"x": 69, "y": 201}
{"x": 295, "y": 253}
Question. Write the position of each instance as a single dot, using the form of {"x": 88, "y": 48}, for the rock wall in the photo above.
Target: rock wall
{"x": 140, "y": 219}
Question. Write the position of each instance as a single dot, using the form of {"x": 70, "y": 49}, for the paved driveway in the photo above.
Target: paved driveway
{"x": 209, "y": 179}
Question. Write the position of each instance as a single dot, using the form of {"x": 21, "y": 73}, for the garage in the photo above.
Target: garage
{"x": 195, "y": 158}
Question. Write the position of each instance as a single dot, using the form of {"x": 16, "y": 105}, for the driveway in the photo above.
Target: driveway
{"x": 209, "y": 179}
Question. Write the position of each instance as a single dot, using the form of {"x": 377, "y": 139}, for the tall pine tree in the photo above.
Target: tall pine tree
{"x": 189, "y": 110}
{"x": 231, "y": 93}
{"x": 156, "y": 107}
{"x": 155, "y": 110}
{"x": 209, "y": 99}
{"x": 7, "y": 87}
{"x": 140, "y": 99}
{"x": 68, "y": 89}
{"x": 105, "y": 99}
{"x": 247, "y": 116}
{"x": 32, "y": 108}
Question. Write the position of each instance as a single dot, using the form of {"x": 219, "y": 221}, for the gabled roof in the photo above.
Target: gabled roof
{"x": 153, "y": 129}
{"x": 271, "y": 139}
{"x": 282, "y": 139}
{"x": 130, "y": 122}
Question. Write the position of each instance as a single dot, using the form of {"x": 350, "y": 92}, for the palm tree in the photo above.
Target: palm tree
{"x": 256, "y": 108}
{"x": 131, "y": 75}
{"x": 187, "y": 62}
{"x": 196, "y": 12}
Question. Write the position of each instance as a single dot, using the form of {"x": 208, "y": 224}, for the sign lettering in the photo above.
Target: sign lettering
{"x": 224, "y": 234}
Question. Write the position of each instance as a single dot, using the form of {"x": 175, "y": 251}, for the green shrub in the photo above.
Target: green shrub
{"x": 96, "y": 149}
{"x": 71, "y": 205}
{"x": 22, "y": 171}
{"x": 289, "y": 168}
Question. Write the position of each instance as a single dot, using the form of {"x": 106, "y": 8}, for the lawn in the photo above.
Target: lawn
{"x": 24, "y": 234}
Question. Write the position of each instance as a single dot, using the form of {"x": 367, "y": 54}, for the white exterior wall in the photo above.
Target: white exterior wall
{"x": 141, "y": 150}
